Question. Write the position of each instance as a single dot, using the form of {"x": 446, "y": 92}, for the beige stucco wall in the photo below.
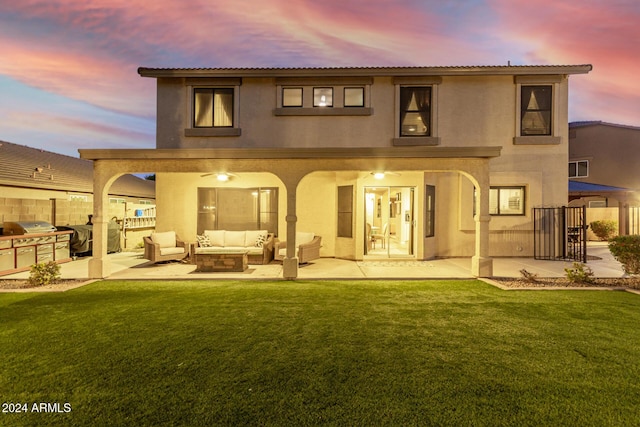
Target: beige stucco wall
{"x": 613, "y": 153}
{"x": 470, "y": 111}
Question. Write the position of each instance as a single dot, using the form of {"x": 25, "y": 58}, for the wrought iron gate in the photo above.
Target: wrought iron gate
{"x": 560, "y": 234}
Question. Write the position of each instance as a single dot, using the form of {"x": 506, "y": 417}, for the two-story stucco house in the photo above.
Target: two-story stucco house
{"x": 412, "y": 162}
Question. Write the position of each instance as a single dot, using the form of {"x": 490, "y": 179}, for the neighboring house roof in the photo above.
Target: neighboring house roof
{"x": 367, "y": 71}
{"x": 574, "y": 125}
{"x": 587, "y": 187}
{"x": 26, "y": 167}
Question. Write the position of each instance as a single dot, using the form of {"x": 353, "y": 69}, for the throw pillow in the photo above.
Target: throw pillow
{"x": 203, "y": 241}
{"x": 260, "y": 240}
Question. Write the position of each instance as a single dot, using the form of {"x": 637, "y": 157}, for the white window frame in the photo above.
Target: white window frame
{"x": 576, "y": 162}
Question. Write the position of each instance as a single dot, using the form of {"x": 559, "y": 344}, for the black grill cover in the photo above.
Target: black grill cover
{"x": 81, "y": 241}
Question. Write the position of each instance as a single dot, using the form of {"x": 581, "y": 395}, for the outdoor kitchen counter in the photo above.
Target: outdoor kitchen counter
{"x": 19, "y": 252}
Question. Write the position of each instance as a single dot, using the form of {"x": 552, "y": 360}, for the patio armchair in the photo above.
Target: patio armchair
{"x": 308, "y": 248}
{"x": 165, "y": 246}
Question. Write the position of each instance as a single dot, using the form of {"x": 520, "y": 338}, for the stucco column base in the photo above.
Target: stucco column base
{"x": 481, "y": 266}
{"x": 99, "y": 268}
{"x": 290, "y": 268}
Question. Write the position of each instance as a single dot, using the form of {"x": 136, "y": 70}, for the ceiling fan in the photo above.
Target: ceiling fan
{"x": 220, "y": 176}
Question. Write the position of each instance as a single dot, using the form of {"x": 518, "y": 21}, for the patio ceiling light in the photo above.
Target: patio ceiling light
{"x": 221, "y": 176}
{"x": 382, "y": 175}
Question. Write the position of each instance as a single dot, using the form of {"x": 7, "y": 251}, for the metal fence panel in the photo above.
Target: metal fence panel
{"x": 560, "y": 234}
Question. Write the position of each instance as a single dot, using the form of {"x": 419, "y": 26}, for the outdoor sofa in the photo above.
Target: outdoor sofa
{"x": 257, "y": 243}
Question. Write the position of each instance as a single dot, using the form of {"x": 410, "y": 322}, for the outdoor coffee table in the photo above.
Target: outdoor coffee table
{"x": 221, "y": 260}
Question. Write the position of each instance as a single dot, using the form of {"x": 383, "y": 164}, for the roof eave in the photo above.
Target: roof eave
{"x": 366, "y": 71}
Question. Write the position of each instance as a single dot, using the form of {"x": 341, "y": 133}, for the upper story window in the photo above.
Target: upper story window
{"x": 535, "y": 110}
{"x": 292, "y": 97}
{"x": 327, "y": 96}
{"x": 354, "y": 96}
{"x": 579, "y": 169}
{"x": 537, "y": 120}
{"x": 415, "y": 111}
{"x": 213, "y": 107}
{"x": 416, "y": 104}
{"x": 323, "y": 97}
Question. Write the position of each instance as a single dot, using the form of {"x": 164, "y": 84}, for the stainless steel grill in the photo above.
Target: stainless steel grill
{"x": 13, "y": 228}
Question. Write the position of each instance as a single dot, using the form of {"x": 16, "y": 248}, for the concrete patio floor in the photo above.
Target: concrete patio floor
{"x": 131, "y": 265}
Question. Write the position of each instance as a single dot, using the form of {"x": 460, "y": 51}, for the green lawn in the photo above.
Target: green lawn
{"x": 348, "y": 353}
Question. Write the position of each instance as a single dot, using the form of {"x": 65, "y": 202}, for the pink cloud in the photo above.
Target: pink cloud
{"x": 97, "y": 81}
{"x": 602, "y": 33}
{"x": 75, "y": 129}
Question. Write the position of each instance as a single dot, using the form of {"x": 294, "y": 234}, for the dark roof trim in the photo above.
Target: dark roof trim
{"x": 480, "y": 70}
{"x": 574, "y": 125}
{"x": 291, "y": 153}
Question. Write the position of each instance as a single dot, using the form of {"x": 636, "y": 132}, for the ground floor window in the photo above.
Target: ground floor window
{"x": 506, "y": 201}
{"x": 430, "y": 211}
{"x": 345, "y": 211}
{"x": 238, "y": 209}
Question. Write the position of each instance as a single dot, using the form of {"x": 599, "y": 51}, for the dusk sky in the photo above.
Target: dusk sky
{"x": 68, "y": 68}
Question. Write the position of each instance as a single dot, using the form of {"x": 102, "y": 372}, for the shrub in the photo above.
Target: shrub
{"x": 44, "y": 274}
{"x": 604, "y": 229}
{"x": 580, "y": 273}
{"x": 528, "y": 276}
{"x": 626, "y": 249}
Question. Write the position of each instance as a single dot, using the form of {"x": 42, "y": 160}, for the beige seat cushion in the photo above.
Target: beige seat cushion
{"x": 166, "y": 239}
{"x": 234, "y": 238}
{"x": 302, "y": 237}
{"x": 172, "y": 251}
{"x": 216, "y": 237}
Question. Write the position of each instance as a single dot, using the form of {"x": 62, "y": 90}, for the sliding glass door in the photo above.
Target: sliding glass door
{"x": 389, "y": 222}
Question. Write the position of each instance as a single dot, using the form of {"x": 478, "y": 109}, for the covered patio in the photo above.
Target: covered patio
{"x": 290, "y": 166}
{"x": 132, "y": 266}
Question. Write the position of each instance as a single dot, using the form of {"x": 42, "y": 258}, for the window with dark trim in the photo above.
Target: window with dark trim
{"x": 238, "y": 209}
{"x": 213, "y": 108}
{"x": 345, "y": 211}
{"x": 579, "y": 169}
{"x": 415, "y": 111}
{"x": 323, "y": 97}
{"x": 506, "y": 200}
{"x": 535, "y": 110}
{"x": 430, "y": 211}
{"x": 292, "y": 97}
{"x": 353, "y": 97}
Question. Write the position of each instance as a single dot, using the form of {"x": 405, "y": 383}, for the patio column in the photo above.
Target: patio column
{"x": 481, "y": 263}
{"x": 99, "y": 265}
{"x": 290, "y": 261}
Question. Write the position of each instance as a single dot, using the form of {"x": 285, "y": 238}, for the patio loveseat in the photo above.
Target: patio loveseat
{"x": 257, "y": 243}
{"x": 308, "y": 248}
